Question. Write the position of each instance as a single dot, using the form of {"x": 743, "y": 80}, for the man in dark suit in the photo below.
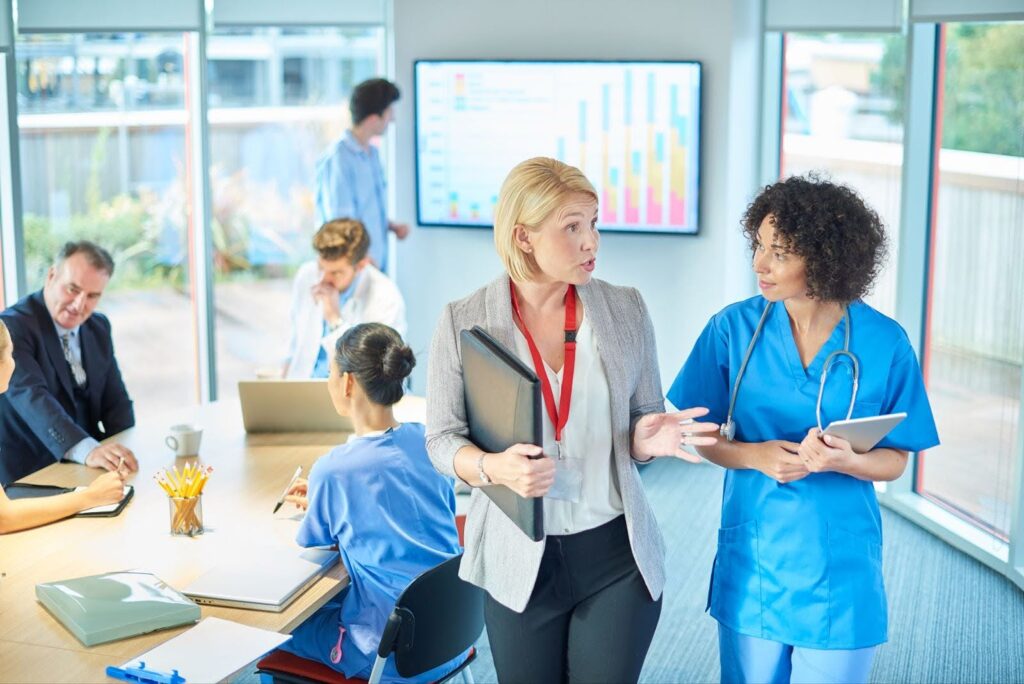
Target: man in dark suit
{"x": 67, "y": 392}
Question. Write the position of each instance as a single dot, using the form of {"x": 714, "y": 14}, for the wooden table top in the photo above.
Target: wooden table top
{"x": 249, "y": 473}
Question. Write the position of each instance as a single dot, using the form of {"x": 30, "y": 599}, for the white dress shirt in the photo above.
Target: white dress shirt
{"x": 376, "y": 299}
{"x": 587, "y": 435}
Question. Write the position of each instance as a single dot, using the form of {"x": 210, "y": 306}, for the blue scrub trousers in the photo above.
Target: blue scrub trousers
{"x": 750, "y": 660}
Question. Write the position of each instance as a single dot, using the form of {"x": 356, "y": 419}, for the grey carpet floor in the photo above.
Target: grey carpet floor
{"x": 951, "y": 619}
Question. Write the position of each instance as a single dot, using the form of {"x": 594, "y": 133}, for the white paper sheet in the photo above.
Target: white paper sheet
{"x": 106, "y": 508}
{"x": 210, "y": 651}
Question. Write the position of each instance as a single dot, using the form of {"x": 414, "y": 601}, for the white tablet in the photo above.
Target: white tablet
{"x": 864, "y": 433}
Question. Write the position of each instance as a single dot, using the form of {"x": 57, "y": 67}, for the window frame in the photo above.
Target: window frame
{"x": 919, "y": 198}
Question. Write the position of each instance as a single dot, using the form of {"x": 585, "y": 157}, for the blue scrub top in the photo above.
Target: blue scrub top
{"x": 801, "y": 563}
{"x": 392, "y": 517}
{"x": 350, "y": 184}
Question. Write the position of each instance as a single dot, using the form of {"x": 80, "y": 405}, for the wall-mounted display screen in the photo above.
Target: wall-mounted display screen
{"x": 632, "y": 127}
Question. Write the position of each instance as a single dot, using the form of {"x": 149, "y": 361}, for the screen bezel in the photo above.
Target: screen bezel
{"x": 603, "y": 229}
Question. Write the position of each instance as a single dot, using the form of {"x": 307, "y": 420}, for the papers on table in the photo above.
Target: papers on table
{"x": 108, "y": 508}
{"x": 211, "y": 651}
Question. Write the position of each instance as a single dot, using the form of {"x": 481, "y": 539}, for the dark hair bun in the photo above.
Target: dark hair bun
{"x": 398, "y": 362}
{"x": 378, "y": 358}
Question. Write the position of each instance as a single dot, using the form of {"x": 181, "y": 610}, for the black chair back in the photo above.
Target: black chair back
{"x": 436, "y": 618}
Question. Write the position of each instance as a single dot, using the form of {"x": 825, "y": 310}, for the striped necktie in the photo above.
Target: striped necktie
{"x": 76, "y": 368}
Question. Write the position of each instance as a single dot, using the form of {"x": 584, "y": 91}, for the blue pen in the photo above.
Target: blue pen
{"x": 143, "y": 676}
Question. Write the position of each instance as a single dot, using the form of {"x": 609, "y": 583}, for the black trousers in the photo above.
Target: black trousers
{"x": 590, "y": 617}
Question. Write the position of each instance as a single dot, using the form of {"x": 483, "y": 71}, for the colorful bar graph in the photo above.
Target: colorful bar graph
{"x": 677, "y": 163}
{"x": 631, "y": 129}
{"x": 655, "y": 157}
{"x": 610, "y": 195}
{"x": 632, "y": 190}
{"x": 583, "y": 137}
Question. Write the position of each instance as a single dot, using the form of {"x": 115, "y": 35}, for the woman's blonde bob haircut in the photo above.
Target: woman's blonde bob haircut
{"x": 529, "y": 195}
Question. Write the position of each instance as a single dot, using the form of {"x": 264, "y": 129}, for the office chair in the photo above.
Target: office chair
{"x": 436, "y": 618}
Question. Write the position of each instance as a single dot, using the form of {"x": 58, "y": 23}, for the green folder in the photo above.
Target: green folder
{"x": 115, "y": 605}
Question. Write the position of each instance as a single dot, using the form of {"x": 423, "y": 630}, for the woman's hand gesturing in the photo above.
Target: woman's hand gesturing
{"x": 665, "y": 434}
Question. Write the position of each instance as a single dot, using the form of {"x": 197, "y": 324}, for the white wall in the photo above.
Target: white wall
{"x": 683, "y": 279}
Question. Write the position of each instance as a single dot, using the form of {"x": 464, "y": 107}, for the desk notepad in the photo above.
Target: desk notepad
{"x": 211, "y": 651}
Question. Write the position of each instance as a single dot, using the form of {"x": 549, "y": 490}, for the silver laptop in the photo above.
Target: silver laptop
{"x": 270, "y": 583}
{"x": 289, "y": 406}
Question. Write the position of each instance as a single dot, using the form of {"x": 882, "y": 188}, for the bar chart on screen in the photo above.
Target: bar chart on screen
{"x": 633, "y": 128}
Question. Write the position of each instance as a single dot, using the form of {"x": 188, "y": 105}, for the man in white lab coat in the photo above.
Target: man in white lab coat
{"x": 342, "y": 288}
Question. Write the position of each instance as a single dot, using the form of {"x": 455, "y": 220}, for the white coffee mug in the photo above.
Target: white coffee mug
{"x": 184, "y": 439}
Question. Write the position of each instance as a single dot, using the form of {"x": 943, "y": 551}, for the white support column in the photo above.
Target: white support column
{"x": 916, "y": 204}
{"x": 11, "y": 232}
{"x": 772, "y": 84}
{"x": 200, "y": 237}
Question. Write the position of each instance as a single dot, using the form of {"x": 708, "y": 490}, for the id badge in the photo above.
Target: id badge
{"x": 568, "y": 485}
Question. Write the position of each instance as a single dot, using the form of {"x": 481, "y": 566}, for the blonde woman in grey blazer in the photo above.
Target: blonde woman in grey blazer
{"x": 583, "y": 604}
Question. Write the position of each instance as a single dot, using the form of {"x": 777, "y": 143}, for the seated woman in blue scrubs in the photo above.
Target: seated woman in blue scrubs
{"x": 797, "y": 583}
{"x": 379, "y": 499}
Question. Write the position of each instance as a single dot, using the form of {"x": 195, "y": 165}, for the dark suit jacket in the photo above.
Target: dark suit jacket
{"x": 37, "y": 414}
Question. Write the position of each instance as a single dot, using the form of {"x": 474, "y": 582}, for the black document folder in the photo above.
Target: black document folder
{"x": 18, "y": 490}
{"x": 503, "y": 408}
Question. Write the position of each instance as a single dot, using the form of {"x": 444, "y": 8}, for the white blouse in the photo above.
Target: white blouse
{"x": 587, "y": 436}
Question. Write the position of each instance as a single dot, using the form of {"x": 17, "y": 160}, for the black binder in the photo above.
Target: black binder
{"x": 24, "y": 490}
{"x": 503, "y": 408}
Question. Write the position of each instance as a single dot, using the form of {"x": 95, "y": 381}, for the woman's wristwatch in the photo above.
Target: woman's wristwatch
{"x": 480, "y": 469}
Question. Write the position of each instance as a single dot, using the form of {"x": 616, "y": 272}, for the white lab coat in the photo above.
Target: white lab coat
{"x": 375, "y": 300}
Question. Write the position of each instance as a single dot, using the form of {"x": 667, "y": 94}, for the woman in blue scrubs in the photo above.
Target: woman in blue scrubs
{"x": 379, "y": 499}
{"x": 796, "y": 586}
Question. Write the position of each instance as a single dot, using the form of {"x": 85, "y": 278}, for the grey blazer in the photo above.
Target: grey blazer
{"x": 499, "y": 557}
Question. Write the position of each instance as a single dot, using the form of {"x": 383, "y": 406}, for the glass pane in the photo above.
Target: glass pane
{"x": 102, "y": 128}
{"x": 278, "y": 98}
{"x": 976, "y": 323}
{"x": 843, "y": 117}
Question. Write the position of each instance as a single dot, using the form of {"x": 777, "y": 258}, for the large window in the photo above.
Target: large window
{"x": 975, "y": 333}
{"x": 278, "y": 98}
{"x": 843, "y": 118}
{"x": 102, "y": 126}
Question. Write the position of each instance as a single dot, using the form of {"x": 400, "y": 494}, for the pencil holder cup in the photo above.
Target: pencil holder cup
{"x": 186, "y": 515}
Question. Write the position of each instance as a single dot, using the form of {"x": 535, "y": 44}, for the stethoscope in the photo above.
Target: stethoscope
{"x": 728, "y": 429}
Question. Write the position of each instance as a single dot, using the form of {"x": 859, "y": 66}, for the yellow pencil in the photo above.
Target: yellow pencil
{"x": 164, "y": 486}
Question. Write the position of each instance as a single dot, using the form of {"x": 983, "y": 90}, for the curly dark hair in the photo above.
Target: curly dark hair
{"x": 840, "y": 238}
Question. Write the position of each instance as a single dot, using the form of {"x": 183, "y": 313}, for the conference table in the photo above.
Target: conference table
{"x": 249, "y": 474}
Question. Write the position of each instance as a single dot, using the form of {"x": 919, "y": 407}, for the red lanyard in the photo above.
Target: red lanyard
{"x": 560, "y": 416}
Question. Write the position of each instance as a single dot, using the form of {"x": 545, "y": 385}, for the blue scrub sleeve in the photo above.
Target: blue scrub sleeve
{"x": 704, "y": 378}
{"x": 906, "y": 393}
{"x": 328, "y": 509}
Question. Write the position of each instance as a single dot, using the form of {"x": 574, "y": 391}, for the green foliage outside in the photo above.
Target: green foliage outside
{"x": 146, "y": 233}
{"x": 983, "y": 98}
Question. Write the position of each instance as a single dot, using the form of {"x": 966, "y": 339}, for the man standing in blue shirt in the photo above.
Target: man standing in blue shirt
{"x": 350, "y": 179}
